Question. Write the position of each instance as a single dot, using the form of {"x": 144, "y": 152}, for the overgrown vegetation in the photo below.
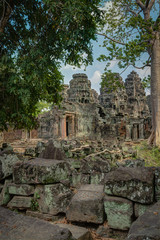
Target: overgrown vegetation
{"x": 151, "y": 155}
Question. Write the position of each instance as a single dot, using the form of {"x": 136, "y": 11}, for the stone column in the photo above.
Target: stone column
{"x": 63, "y": 127}
{"x": 128, "y": 132}
{"x": 141, "y": 131}
{"x": 135, "y": 134}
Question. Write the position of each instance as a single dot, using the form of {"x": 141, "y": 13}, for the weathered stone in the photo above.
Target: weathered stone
{"x": 147, "y": 226}
{"x": 135, "y": 184}
{"x": 79, "y": 233}
{"x": 119, "y": 212}
{"x": 15, "y": 226}
{"x": 140, "y": 209}
{"x": 39, "y": 170}
{"x": 20, "y": 189}
{"x": 97, "y": 178}
{"x": 157, "y": 184}
{"x": 51, "y": 152}
{"x": 30, "y": 152}
{"x": 4, "y": 195}
{"x": 132, "y": 163}
{"x": 44, "y": 216}
{"x": 79, "y": 179}
{"x": 87, "y": 205}
{"x": 53, "y": 199}
{"x": 90, "y": 165}
{"x": 6, "y": 165}
{"x": 20, "y": 202}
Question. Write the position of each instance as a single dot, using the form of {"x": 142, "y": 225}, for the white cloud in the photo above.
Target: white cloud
{"x": 144, "y": 72}
{"x": 96, "y": 78}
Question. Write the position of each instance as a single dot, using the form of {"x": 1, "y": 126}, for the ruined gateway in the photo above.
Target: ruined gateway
{"x": 121, "y": 115}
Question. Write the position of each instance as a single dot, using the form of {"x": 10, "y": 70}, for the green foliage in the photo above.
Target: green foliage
{"x": 129, "y": 32}
{"x": 151, "y": 155}
{"x": 35, "y": 39}
{"x": 34, "y": 202}
{"x": 111, "y": 82}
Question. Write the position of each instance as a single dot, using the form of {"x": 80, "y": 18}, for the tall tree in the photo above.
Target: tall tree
{"x": 132, "y": 32}
{"x": 36, "y": 36}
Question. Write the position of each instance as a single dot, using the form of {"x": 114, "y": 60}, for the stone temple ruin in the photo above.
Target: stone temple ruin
{"x": 121, "y": 115}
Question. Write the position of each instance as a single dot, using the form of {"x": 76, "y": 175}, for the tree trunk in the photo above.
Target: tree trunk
{"x": 155, "y": 91}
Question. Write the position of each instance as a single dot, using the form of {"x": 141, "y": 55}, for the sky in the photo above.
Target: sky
{"x": 95, "y": 70}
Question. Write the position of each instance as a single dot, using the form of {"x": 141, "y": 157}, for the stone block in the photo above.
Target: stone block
{"x": 135, "y": 184}
{"x": 147, "y": 226}
{"x": 140, "y": 209}
{"x": 79, "y": 179}
{"x": 119, "y": 212}
{"x": 97, "y": 178}
{"x": 7, "y": 162}
{"x": 5, "y": 197}
{"x": 79, "y": 233}
{"x": 15, "y": 226}
{"x": 53, "y": 198}
{"x": 20, "y": 189}
{"x": 157, "y": 184}
{"x": 20, "y": 202}
{"x": 87, "y": 205}
{"x": 44, "y": 216}
{"x": 41, "y": 171}
{"x": 95, "y": 164}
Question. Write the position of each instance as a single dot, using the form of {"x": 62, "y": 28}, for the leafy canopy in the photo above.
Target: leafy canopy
{"x": 35, "y": 37}
{"x": 129, "y": 28}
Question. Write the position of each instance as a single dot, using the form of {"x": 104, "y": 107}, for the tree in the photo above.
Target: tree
{"x": 131, "y": 29}
{"x": 36, "y": 36}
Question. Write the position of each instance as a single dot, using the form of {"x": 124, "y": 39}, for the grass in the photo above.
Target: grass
{"x": 151, "y": 155}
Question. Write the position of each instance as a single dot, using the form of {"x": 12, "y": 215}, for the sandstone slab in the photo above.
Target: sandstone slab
{"x": 119, "y": 212}
{"x": 87, "y": 205}
{"x": 20, "y": 202}
{"x": 147, "y": 226}
{"x": 15, "y": 226}
{"x": 20, "y": 189}
{"x": 136, "y": 184}
{"x": 53, "y": 198}
{"x": 79, "y": 233}
{"x": 140, "y": 209}
{"x": 157, "y": 184}
{"x": 5, "y": 197}
{"x": 39, "y": 170}
{"x": 7, "y": 162}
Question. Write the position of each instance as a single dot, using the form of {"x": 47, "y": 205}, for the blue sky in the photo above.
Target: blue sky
{"x": 95, "y": 70}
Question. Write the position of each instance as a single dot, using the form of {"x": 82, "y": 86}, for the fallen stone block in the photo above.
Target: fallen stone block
{"x": 79, "y": 179}
{"x": 7, "y": 162}
{"x": 90, "y": 165}
{"x": 119, "y": 212}
{"x": 39, "y": 170}
{"x": 98, "y": 178}
{"x": 20, "y": 202}
{"x": 53, "y": 198}
{"x": 79, "y": 233}
{"x": 87, "y": 205}
{"x": 136, "y": 184}
{"x": 140, "y": 209}
{"x": 5, "y": 197}
{"x": 157, "y": 184}
{"x": 20, "y": 189}
{"x": 147, "y": 226}
{"x": 44, "y": 216}
{"x": 15, "y": 226}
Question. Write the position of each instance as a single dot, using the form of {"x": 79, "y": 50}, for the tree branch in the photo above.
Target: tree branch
{"x": 102, "y": 34}
{"x": 151, "y": 4}
{"x": 140, "y": 4}
{"x": 6, "y": 14}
